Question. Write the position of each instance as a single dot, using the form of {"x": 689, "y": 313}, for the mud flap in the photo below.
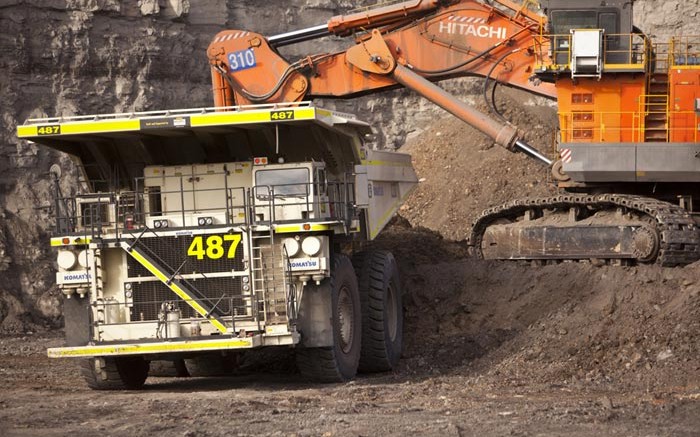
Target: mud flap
{"x": 315, "y": 312}
{"x": 76, "y": 313}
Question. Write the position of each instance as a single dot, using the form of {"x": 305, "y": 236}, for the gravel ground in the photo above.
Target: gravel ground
{"x": 492, "y": 349}
{"x": 42, "y": 397}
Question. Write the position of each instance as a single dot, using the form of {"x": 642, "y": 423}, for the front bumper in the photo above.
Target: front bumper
{"x": 169, "y": 347}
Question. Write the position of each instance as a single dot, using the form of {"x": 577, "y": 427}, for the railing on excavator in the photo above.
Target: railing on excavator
{"x": 628, "y": 50}
{"x": 93, "y": 215}
{"x": 635, "y": 50}
{"x": 681, "y": 51}
{"x": 683, "y": 126}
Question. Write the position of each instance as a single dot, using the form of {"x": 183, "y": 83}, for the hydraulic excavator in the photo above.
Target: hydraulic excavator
{"x": 628, "y": 162}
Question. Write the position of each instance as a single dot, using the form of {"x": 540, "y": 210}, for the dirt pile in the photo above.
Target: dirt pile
{"x": 572, "y": 324}
{"x": 462, "y": 172}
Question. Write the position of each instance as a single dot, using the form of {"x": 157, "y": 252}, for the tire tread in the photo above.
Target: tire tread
{"x": 372, "y": 268}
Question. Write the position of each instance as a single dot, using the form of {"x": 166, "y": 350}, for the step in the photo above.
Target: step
{"x": 659, "y": 76}
{"x": 656, "y": 137}
{"x": 656, "y": 116}
{"x": 655, "y": 124}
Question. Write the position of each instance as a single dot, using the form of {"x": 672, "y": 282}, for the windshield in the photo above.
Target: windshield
{"x": 565, "y": 21}
{"x": 283, "y": 182}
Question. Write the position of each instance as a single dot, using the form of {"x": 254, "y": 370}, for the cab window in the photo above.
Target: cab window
{"x": 283, "y": 182}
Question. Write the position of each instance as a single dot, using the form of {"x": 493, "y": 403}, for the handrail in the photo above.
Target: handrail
{"x": 598, "y": 124}
{"x": 172, "y": 112}
{"x": 684, "y": 51}
{"x": 125, "y": 211}
{"x": 633, "y": 50}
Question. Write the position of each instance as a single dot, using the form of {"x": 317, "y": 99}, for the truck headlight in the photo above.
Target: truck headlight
{"x": 66, "y": 259}
{"x": 291, "y": 246}
{"x": 311, "y": 245}
{"x": 205, "y": 221}
{"x": 83, "y": 259}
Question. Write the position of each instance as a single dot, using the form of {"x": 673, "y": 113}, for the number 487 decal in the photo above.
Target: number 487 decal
{"x": 214, "y": 246}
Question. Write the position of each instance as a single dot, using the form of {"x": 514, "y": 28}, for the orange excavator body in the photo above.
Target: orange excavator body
{"x": 433, "y": 44}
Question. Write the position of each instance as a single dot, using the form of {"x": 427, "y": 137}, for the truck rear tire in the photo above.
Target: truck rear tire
{"x": 115, "y": 373}
{"x": 382, "y": 310}
{"x": 339, "y": 362}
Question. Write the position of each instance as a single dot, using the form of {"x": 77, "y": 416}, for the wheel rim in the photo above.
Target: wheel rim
{"x": 346, "y": 319}
{"x": 392, "y": 313}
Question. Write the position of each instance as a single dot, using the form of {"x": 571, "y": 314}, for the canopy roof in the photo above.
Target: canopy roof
{"x": 114, "y": 148}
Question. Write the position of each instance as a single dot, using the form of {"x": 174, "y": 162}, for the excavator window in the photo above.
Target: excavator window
{"x": 564, "y": 21}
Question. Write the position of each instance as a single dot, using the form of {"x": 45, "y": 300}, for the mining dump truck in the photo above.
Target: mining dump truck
{"x": 203, "y": 233}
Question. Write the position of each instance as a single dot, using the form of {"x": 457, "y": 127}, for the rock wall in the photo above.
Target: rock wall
{"x": 67, "y": 57}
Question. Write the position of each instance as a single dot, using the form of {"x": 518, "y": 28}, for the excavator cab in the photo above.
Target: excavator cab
{"x": 588, "y": 34}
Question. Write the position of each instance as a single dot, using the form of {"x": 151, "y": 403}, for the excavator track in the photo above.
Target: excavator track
{"x": 672, "y": 237}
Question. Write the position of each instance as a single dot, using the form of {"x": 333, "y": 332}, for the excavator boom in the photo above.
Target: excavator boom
{"x": 411, "y": 44}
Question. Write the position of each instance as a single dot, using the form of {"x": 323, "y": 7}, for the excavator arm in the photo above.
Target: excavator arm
{"x": 412, "y": 44}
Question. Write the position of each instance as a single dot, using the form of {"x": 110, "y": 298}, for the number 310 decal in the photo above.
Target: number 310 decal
{"x": 241, "y": 60}
{"x": 214, "y": 246}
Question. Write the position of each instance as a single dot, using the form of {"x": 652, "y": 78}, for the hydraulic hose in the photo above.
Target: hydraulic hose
{"x": 492, "y": 105}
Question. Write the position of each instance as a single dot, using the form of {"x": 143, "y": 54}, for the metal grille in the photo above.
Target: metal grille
{"x": 173, "y": 251}
{"x": 148, "y": 297}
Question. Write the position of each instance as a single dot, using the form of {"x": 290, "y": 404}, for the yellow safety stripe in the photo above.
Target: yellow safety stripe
{"x": 222, "y": 118}
{"x": 120, "y": 125}
{"x": 286, "y": 229}
{"x": 99, "y": 126}
{"x": 88, "y": 127}
{"x": 26, "y": 131}
{"x": 623, "y": 67}
{"x": 685, "y": 67}
{"x": 176, "y": 289}
{"x": 148, "y": 348}
{"x": 388, "y": 163}
{"x": 73, "y": 241}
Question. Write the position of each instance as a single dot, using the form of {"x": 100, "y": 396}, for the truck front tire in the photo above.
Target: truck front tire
{"x": 382, "y": 310}
{"x": 337, "y": 363}
{"x": 115, "y": 373}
